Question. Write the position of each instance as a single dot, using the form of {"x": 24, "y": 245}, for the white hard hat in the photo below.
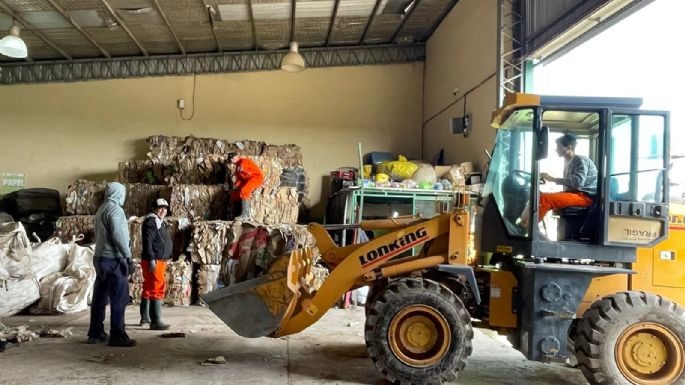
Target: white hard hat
{"x": 161, "y": 202}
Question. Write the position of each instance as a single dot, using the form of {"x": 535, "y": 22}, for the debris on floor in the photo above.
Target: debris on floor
{"x": 218, "y": 360}
{"x": 173, "y": 335}
{"x": 24, "y": 333}
{"x": 45, "y": 332}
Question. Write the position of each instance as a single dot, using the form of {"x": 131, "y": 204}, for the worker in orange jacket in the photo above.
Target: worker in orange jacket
{"x": 247, "y": 178}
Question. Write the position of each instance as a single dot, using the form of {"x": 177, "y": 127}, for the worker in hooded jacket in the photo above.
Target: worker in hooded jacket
{"x": 157, "y": 248}
{"x": 112, "y": 261}
{"x": 248, "y": 177}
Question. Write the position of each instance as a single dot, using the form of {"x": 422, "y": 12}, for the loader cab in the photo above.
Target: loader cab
{"x": 629, "y": 148}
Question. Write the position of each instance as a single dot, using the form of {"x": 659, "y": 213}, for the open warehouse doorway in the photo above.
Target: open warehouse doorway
{"x": 637, "y": 56}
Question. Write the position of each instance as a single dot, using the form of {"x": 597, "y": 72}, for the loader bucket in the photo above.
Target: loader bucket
{"x": 259, "y": 307}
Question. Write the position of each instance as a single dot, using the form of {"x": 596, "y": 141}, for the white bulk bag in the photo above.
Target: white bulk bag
{"x": 49, "y": 257}
{"x": 17, "y": 294}
{"x": 15, "y": 249}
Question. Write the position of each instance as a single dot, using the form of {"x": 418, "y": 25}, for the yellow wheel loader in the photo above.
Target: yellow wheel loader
{"x": 602, "y": 284}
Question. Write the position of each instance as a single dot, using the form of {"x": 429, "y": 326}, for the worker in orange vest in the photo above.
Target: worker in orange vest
{"x": 247, "y": 178}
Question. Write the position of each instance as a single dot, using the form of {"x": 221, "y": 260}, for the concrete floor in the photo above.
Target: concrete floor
{"x": 331, "y": 351}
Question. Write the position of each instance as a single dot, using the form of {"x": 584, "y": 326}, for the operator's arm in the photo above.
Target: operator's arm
{"x": 576, "y": 175}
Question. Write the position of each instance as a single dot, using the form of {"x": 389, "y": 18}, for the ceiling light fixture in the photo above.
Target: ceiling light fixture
{"x": 12, "y": 45}
{"x": 293, "y": 61}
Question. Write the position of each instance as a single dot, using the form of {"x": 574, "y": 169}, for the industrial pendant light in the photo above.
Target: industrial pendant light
{"x": 293, "y": 61}
{"x": 12, "y": 45}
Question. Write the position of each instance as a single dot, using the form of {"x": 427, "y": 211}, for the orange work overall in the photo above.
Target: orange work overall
{"x": 559, "y": 200}
{"x": 248, "y": 178}
{"x": 154, "y": 284}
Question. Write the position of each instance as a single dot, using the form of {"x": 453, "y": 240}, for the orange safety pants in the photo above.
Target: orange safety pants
{"x": 559, "y": 200}
{"x": 154, "y": 284}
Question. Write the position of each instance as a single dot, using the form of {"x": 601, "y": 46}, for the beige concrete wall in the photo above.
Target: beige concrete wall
{"x": 56, "y": 133}
{"x": 462, "y": 53}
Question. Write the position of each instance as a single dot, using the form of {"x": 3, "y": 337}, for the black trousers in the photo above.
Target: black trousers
{"x": 111, "y": 282}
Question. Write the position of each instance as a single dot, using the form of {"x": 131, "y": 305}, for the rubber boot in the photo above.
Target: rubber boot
{"x": 156, "y": 315}
{"x": 245, "y": 213}
{"x": 121, "y": 340}
{"x": 144, "y": 312}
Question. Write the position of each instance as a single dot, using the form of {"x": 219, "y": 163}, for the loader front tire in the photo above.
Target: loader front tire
{"x": 418, "y": 332}
{"x": 632, "y": 338}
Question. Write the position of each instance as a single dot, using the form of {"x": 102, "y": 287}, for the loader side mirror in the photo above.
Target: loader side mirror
{"x": 541, "y": 142}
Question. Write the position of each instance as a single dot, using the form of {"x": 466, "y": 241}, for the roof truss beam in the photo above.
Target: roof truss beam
{"x": 136, "y": 67}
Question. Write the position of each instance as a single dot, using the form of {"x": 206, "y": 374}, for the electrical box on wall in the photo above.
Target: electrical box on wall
{"x": 461, "y": 125}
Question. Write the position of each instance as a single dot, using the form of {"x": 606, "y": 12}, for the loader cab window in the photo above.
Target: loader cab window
{"x": 509, "y": 174}
{"x": 637, "y": 183}
{"x": 637, "y": 159}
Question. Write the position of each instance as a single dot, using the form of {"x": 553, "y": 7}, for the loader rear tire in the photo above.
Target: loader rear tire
{"x": 418, "y": 332}
{"x": 632, "y": 338}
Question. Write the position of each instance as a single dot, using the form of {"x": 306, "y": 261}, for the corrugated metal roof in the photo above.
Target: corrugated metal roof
{"x": 190, "y": 21}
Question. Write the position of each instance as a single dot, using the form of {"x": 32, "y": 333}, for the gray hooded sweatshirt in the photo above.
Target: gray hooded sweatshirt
{"x": 111, "y": 227}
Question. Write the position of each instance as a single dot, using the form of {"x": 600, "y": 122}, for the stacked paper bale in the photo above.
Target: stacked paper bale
{"x": 212, "y": 242}
{"x": 195, "y": 176}
{"x": 70, "y": 227}
{"x": 135, "y": 282}
{"x": 84, "y": 197}
{"x": 179, "y": 276}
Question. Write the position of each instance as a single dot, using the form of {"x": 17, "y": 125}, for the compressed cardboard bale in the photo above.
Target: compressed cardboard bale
{"x": 141, "y": 198}
{"x": 210, "y": 169}
{"x": 200, "y": 147}
{"x": 84, "y": 197}
{"x": 70, "y": 227}
{"x": 179, "y": 282}
{"x": 164, "y": 149}
{"x": 274, "y": 206}
{"x": 135, "y": 282}
{"x": 290, "y": 155}
{"x": 207, "y": 278}
{"x": 247, "y": 147}
{"x": 212, "y": 241}
{"x": 141, "y": 171}
{"x": 200, "y": 201}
